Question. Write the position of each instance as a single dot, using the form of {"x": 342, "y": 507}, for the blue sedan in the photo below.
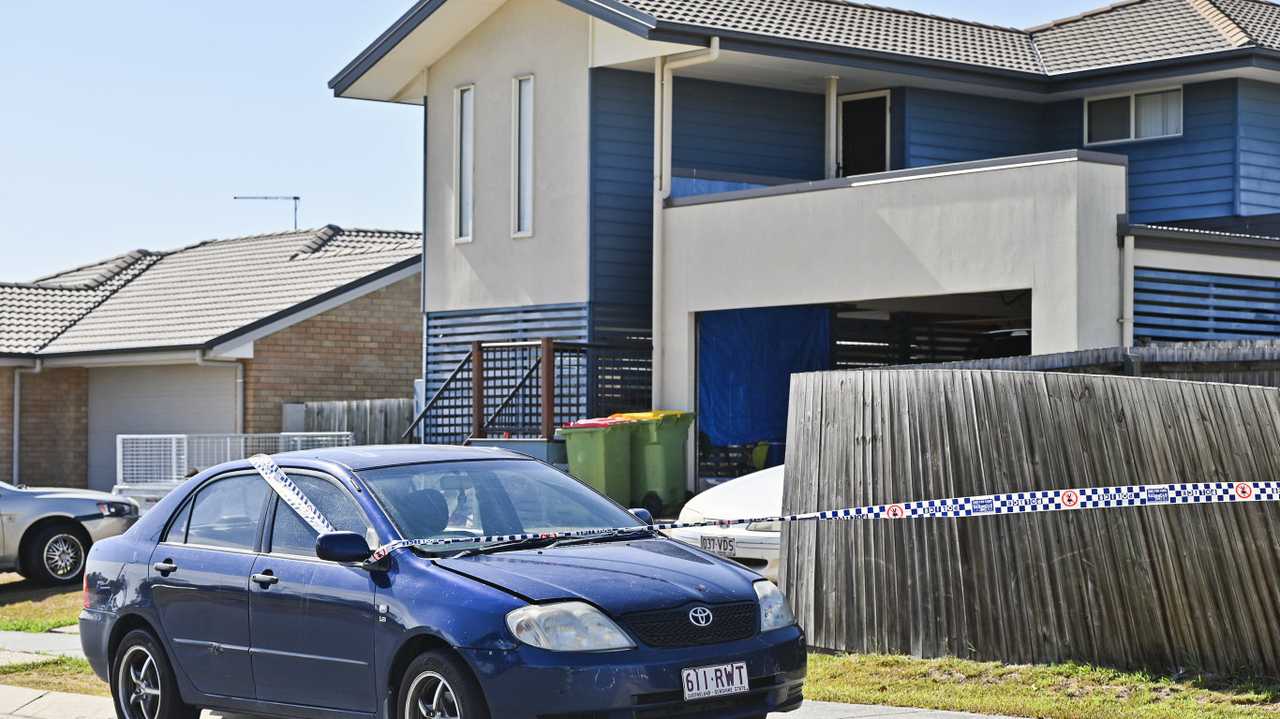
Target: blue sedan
{"x": 223, "y": 597}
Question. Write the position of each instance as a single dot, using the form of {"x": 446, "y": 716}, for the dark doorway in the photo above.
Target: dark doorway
{"x": 864, "y": 134}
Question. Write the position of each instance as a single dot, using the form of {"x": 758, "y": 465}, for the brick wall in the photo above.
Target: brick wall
{"x": 55, "y": 428}
{"x": 367, "y": 349}
{"x": 6, "y": 423}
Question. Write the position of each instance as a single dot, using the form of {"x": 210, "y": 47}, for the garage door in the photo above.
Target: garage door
{"x": 183, "y": 399}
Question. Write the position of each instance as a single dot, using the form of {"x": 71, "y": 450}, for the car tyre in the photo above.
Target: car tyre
{"x": 55, "y": 554}
{"x": 142, "y": 681}
{"x": 437, "y": 685}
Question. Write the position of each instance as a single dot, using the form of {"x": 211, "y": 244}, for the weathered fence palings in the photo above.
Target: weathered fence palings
{"x": 1167, "y": 588}
{"x": 372, "y": 421}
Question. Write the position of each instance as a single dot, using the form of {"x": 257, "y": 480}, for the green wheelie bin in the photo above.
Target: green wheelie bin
{"x": 600, "y": 455}
{"x": 659, "y": 476}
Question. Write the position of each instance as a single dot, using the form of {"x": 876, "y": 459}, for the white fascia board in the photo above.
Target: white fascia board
{"x": 123, "y": 359}
{"x": 611, "y": 45}
{"x": 231, "y": 347}
{"x": 16, "y": 362}
{"x": 233, "y": 351}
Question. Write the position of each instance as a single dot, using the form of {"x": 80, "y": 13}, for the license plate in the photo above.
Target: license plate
{"x": 724, "y": 546}
{"x": 715, "y": 681}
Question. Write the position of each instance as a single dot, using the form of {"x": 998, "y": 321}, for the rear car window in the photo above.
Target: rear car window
{"x": 291, "y": 535}
{"x": 227, "y": 512}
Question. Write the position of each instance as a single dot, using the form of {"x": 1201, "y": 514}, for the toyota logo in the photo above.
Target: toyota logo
{"x": 701, "y": 617}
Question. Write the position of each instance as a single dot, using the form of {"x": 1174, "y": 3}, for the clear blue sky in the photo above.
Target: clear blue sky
{"x": 131, "y": 124}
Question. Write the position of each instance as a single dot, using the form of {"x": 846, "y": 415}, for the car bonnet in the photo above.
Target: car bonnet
{"x": 619, "y": 577}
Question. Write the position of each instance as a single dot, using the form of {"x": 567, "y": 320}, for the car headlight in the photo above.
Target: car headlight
{"x": 764, "y": 527}
{"x": 116, "y": 509}
{"x": 567, "y": 627}
{"x": 774, "y": 612}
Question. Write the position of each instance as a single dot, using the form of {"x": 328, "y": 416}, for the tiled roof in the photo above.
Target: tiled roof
{"x": 1134, "y": 32}
{"x": 32, "y": 315}
{"x": 867, "y": 27}
{"x": 1130, "y": 32}
{"x": 1260, "y": 20}
{"x": 191, "y": 296}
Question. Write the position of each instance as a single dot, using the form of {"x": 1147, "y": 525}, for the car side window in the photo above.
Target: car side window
{"x": 227, "y": 512}
{"x": 291, "y": 535}
{"x": 177, "y": 533}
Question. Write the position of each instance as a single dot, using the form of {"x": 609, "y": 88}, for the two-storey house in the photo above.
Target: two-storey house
{"x": 760, "y": 187}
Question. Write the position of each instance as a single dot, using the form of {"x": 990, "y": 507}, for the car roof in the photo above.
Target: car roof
{"x": 358, "y": 458}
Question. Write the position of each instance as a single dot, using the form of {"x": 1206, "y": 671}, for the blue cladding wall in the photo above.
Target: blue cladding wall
{"x": 1189, "y": 177}
{"x": 719, "y": 127}
{"x": 748, "y": 130}
{"x": 1171, "y": 305}
{"x": 1259, "y": 144}
{"x": 1192, "y": 176}
{"x": 942, "y": 127}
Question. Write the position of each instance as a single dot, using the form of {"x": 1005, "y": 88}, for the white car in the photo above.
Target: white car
{"x": 756, "y": 546}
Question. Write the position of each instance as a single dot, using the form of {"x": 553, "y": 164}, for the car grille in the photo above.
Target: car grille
{"x": 673, "y": 628}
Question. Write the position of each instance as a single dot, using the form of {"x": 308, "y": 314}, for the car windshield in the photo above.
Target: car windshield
{"x": 457, "y": 500}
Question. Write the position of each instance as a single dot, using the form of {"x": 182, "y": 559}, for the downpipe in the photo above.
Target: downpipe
{"x": 203, "y": 361}
{"x": 16, "y": 468}
{"x": 663, "y": 92}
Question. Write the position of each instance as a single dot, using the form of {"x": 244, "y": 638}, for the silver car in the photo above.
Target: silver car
{"x": 45, "y": 533}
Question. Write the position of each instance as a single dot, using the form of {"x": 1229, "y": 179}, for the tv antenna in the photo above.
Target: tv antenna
{"x": 276, "y": 198}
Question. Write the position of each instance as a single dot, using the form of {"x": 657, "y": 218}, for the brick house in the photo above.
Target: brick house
{"x": 211, "y": 338}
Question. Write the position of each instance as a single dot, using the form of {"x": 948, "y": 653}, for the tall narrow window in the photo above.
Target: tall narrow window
{"x": 522, "y": 158}
{"x": 464, "y": 173}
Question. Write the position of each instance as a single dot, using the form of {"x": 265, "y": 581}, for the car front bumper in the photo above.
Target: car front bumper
{"x": 761, "y": 552}
{"x": 642, "y": 683}
{"x": 100, "y": 528}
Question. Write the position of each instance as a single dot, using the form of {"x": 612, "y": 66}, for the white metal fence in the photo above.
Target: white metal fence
{"x": 162, "y": 458}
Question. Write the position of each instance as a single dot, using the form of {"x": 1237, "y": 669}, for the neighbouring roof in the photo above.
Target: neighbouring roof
{"x": 192, "y": 296}
{"x": 1121, "y": 35}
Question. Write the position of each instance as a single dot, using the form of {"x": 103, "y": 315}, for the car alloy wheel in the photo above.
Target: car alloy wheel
{"x": 431, "y": 697}
{"x": 139, "y": 684}
{"x": 63, "y": 556}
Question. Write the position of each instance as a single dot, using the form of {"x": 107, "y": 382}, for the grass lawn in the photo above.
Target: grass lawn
{"x": 62, "y": 674}
{"x": 25, "y": 607}
{"x": 1065, "y": 691}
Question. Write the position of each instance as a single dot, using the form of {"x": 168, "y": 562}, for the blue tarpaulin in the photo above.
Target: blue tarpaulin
{"x": 745, "y": 362}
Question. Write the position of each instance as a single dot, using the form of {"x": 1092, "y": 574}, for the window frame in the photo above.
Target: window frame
{"x": 189, "y": 503}
{"x": 458, "y": 199}
{"x": 888, "y": 126}
{"x": 1133, "y": 115}
{"x": 517, "y": 125}
{"x": 267, "y": 542}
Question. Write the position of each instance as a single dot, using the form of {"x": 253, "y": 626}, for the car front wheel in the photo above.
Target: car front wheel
{"x": 55, "y": 554}
{"x": 142, "y": 682}
{"x": 439, "y": 686}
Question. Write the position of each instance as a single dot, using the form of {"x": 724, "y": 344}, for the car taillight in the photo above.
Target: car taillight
{"x": 85, "y": 589}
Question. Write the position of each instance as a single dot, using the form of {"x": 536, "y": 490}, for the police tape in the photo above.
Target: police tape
{"x": 1011, "y": 503}
{"x": 291, "y": 493}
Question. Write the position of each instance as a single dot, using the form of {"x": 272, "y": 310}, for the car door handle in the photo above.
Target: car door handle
{"x": 165, "y": 568}
{"x": 265, "y": 579}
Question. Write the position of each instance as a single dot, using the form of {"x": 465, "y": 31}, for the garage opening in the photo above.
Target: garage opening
{"x": 746, "y": 358}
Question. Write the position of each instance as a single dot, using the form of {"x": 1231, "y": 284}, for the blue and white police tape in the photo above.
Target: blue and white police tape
{"x": 1039, "y": 501}
{"x": 291, "y": 493}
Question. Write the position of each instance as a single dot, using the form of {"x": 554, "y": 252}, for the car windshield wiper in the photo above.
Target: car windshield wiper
{"x": 608, "y": 536}
{"x": 527, "y": 543}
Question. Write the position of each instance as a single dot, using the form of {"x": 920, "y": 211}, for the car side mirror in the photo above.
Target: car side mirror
{"x": 643, "y": 515}
{"x": 344, "y": 547}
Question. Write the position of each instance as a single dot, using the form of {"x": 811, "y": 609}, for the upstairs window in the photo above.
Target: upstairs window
{"x": 522, "y": 157}
{"x": 1139, "y": 116}
{"x": 464, "y": 165}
